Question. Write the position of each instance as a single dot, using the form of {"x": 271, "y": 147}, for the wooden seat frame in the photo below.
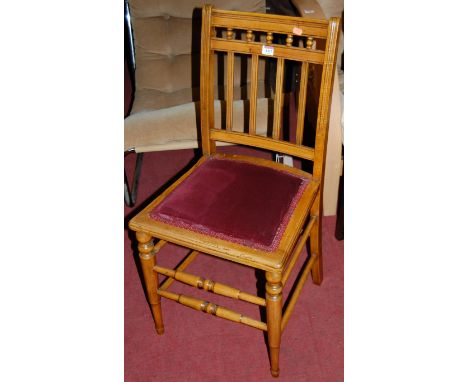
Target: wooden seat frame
{"x": 304, "y": 224}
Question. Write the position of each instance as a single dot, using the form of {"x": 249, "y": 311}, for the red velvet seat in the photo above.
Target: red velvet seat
{"x": 234, "y": 200}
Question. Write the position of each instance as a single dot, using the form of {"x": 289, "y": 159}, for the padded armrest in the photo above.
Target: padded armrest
{"x": 309, "y": 8}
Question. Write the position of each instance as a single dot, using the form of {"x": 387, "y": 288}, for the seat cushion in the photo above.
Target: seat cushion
{"x": 234, "y": 200}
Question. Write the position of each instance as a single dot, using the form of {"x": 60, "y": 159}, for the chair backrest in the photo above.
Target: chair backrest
{"x": 167, "y": 46}
{"x": 220, "y": 33}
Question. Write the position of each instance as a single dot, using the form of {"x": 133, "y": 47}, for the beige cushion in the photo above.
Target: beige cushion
{"x": 164, "y": 42}
{"x": 184, "y": 8}
{"x": 167, "y": 74}
{"x": 151, "y": 99}
{"x": 177, "y": 127}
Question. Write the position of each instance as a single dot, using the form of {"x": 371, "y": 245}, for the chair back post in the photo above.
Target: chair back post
{"x": 206, "y": 82}
{"x": 323, "y": 115}
{"x": 326, "y": 87}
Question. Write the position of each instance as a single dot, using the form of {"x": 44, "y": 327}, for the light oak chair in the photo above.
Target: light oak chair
{"x": 246, "y": 210}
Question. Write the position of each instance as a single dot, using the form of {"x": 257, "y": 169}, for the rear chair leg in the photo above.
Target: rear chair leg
{"x": 148, "y": 261}
{"x": 274, "y": 295}
{"x": 315, "y": 239}
{"x": 316, "y": 247}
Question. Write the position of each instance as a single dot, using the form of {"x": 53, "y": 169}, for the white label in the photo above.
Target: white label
{"x": 297, "y": 30}
{"x": 288, "y": 161}
{"x": 268, "y": 50}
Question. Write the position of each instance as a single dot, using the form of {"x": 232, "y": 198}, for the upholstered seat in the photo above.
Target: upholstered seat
{"x": 223, "y": 197}
{"x": 254, "y": 208}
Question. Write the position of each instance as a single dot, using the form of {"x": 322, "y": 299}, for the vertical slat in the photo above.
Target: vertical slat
{"x": 206, "y": 104}
{"x": 230, "y": 90}
{"x": 253, "y": 94}
{"x": 212, "y": 143}
{"x": 302, "y": 103}
{"x": 278, "y": 98}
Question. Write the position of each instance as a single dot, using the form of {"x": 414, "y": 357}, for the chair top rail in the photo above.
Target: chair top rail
{"x": 269, "y": 23}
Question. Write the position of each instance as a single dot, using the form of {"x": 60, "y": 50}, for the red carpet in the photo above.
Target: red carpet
{"x": 200, "y": 347}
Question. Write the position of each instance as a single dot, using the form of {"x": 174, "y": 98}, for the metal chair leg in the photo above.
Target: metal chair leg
{"x": 128, "y": 202}
{"x": 130, "y": 195}
{"x": 136, "y": 177}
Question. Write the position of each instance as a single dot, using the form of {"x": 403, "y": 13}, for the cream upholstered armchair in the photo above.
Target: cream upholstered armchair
{"x": 166, "y": 41}
{"x": 165, "y": 37}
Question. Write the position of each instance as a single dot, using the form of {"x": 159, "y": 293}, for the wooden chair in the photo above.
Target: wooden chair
{"x": 247, "y": 210}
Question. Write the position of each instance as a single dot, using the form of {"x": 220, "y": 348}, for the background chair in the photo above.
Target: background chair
{"x": 247, "y": 210}
{"x": 163, "y": 46}
{"x": 166, "y": 41}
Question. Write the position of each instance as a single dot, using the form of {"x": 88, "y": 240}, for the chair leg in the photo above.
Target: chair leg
{"x": 127, "y": 197}
{"x": 315, "y": 240}
{"x": 316, "y": 247}
{"x": 131, "y": 194}
{"x": 136, "y": 177}
{"x": 274, "y": 295}
{"x": 148, "y": 261}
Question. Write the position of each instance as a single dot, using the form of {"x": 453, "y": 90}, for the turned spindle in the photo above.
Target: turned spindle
{"x": 249, "y": 36}
{"x": 209, "y": 307}
{"x": 269, "y": 38}
{"x": 289, "y": 40}
{"x": 209, "y": 285}
{"x": 309, "y": 42}
{"x": 213, "y": 309}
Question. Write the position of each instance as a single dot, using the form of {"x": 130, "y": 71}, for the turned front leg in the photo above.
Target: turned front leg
{"x": 148, "y": 261}
{"x": 274, "y": 295}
